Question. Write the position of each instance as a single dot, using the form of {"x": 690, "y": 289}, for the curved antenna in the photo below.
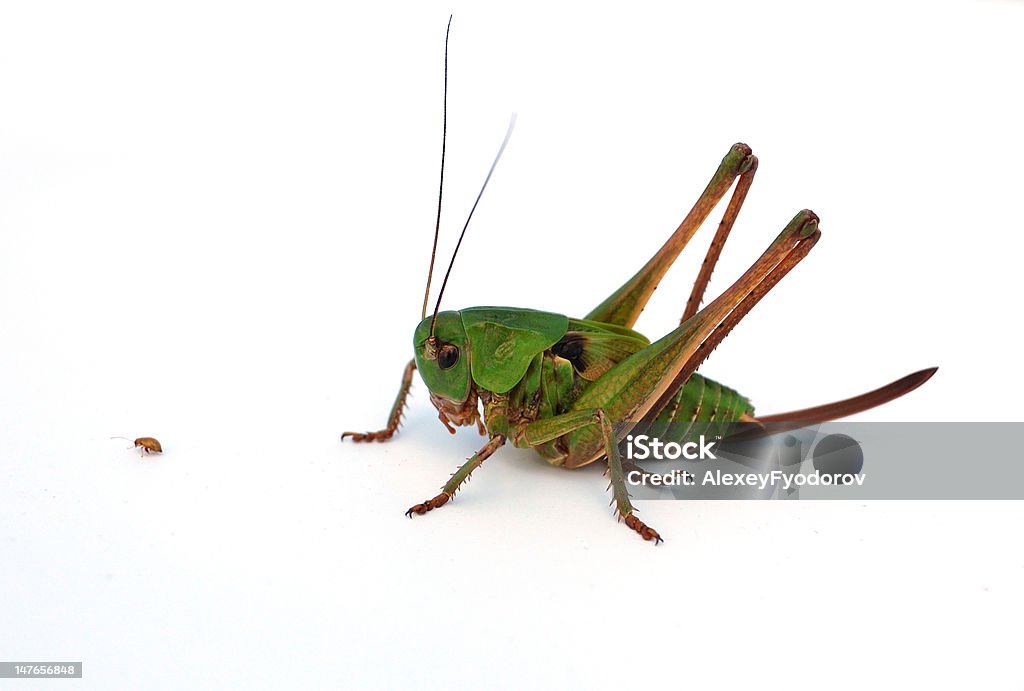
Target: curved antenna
{"x": 440, "y": 188}
{"x": 501, "y": 150}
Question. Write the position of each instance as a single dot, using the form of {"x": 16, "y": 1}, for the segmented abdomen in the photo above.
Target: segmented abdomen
{"x": 701, "y": 406}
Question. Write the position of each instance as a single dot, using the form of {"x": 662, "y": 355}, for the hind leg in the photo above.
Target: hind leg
{"x": 624, "y": 305}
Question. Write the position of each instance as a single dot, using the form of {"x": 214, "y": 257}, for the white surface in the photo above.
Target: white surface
{"x": 214, "y": 226}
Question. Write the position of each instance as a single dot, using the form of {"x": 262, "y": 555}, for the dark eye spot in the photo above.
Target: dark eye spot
{"x": 447, "y": 356}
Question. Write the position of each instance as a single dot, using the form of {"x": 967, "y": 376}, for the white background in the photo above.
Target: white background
{"x": 215, "y": 221}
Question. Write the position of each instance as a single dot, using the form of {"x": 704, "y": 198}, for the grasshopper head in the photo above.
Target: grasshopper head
{"x": 443, "y": 362}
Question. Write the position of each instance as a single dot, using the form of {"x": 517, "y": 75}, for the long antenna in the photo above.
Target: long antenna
{"x": 501, "y": 150}
{"x": 440, "y": 189}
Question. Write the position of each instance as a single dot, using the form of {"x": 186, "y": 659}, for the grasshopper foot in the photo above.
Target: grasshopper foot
{"x": 429, "y": 505}
{"x": 382, "y": 435}
{"x": 644, "y": 531}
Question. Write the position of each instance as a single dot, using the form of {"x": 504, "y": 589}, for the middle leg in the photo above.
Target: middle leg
{"x": 541, "y": 431}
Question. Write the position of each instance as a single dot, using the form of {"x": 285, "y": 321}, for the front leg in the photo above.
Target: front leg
{"x": 395, "y": 418}
{"x": 458, "y": 477}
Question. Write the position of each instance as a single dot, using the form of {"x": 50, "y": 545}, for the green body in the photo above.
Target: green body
{"x": 573, "y": 388}
{"x": 525, "y": 365}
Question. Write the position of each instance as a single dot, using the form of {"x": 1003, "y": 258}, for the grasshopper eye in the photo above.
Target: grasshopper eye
{"x": 447, "y": 356}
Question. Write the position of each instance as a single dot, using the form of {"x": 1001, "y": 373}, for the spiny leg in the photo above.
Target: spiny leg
{"x": 721, "y": 235}
{"x": 624, "y": 305}
{"x": 458, "y": 477}
{"x": 395, "y": 418}
{"x": 544, "y": 430}
{"x": 623, "y": 507}
{"x": 806, "y": 225}
{"x": 637, "y": 389}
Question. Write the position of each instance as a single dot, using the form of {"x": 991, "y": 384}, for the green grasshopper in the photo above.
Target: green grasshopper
{"x": 573, "y": 388}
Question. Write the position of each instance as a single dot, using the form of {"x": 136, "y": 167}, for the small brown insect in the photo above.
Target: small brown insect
{"x": 145, "y": 445}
